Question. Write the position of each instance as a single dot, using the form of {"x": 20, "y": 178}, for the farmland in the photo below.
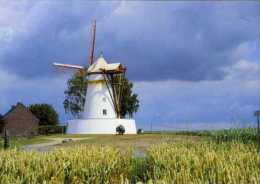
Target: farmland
{"x": 225, "y": 156}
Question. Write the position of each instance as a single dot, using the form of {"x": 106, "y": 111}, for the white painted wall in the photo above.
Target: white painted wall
{"x": 98, "y": 99}
{"x": 100, "y": 126}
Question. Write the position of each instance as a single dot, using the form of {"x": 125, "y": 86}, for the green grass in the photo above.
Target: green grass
{"x": 67, "y": 136}
{"x": 18, "y": 142}
{"x": 144, "y": 141}
{"x": 245, "y": 135}
{"x": 138, "y": 142}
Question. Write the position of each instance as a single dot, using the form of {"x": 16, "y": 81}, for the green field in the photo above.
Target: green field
{"x": 137, "y": 142}
{"x": 225, "y": 156}
{"x": 142, "y": 141}
{"x": 18, "y": 142}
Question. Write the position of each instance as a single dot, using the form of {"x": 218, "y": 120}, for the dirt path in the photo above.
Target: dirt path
{"x": 47, "y": 146}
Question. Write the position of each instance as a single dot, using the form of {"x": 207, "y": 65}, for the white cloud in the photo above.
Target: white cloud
{"x": 243, "y": 70}
{"x": 230, "y": 101}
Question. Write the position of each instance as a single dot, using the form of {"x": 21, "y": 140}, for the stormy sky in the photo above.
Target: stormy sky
{"x": 193, "y": 64}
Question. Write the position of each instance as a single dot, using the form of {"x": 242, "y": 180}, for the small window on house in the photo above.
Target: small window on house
{"x": 104, "y": 99}
{"x": 104, "y": 112}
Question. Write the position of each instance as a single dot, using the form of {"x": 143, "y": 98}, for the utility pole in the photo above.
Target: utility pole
{"x": 257, "y": 114}
{"x": 6, "y": 139}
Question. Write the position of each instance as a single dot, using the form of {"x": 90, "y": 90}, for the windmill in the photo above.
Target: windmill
{"x": 103, "y": 97}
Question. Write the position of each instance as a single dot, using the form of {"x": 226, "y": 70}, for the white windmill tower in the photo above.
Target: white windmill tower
{"x": 101, "y": 113}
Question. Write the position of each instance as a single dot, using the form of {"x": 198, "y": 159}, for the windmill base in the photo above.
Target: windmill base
{"x": 100, "y": 126}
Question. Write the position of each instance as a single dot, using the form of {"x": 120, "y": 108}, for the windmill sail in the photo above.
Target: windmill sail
{"x": 69, "y": 66}
{"x": 92, "y": 45}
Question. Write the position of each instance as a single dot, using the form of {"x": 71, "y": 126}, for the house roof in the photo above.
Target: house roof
{"x": 19, "y": 104}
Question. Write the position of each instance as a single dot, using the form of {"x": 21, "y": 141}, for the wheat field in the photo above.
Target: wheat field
{"x": 182, "y": 162}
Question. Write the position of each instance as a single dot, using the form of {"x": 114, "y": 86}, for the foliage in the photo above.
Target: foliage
{"x": 120, "y": 129}
{"x": 56, "y": 129}
{"x": 129, "y": 101}
{"x": 45, "y": 113}
{"x": 245, "y": 135}
{"x": 140, "y": 131}
{"x": 75, "y": 94}
{"x": 77, "y": 88}
{"x": 180, "y": 163}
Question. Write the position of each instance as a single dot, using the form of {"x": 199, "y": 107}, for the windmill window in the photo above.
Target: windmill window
{"x": 104, "y": 99}
{"x": 104, "y": 112}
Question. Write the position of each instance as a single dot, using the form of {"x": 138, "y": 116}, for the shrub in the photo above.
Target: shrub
{"x": 120, "y": 130}
{"x": 58, "y": 129}
{"x": 140, "y": 131}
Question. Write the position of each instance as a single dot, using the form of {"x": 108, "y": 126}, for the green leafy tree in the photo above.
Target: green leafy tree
{"x": 75, "y": 95}
{"x": 129, "y": 100}
{"x": 45, "y": 113}
{"x": 77, "y": 88}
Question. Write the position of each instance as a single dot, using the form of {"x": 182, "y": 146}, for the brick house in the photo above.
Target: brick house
{"x": 19, "y": 121}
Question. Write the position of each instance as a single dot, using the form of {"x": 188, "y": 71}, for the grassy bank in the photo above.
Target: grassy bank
{"x": 17, "y": 142}
{"x": 140, "y": 142}
{"x": 182, "y": 162}
{"x": 144, "y": 141}
{"x": 245, "y": 135}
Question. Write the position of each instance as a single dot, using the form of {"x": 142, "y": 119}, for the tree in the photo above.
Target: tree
{"x": 129, "y": 100}
{"x": 45, "y": 113}
{"x": 77, "y": 88}
{"x": 75, "y": 95}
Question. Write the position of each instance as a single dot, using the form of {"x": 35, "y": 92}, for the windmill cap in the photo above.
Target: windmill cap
{"x": 101, "y": 65}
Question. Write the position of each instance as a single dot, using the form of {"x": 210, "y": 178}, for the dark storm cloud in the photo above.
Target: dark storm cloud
{"x": 185, "y": 42}
{"x": 54, "y": 32}
{"x": 170, "y": 40}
